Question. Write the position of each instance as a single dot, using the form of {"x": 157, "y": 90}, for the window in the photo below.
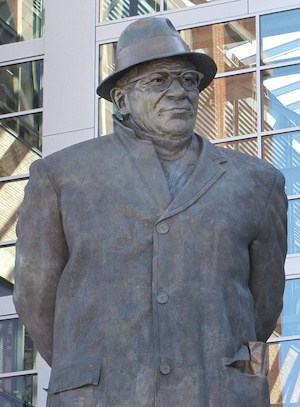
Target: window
{"x": 21, "y": 20}
{"x": 116, "y": 9}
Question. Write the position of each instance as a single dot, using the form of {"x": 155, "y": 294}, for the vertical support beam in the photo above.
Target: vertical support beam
{"x": 69, "y": 72}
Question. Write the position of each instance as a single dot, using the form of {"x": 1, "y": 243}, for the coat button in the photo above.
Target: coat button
{"x": 165, "y": 368}
{"x": 162, "y": 297}
{"x": 163, "y": 228}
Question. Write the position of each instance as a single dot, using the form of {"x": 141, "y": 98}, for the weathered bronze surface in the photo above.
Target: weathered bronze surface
{"x": 149, "y": 265}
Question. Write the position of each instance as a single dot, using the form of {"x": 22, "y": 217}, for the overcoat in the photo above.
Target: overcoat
{"x": 138, "y": 300}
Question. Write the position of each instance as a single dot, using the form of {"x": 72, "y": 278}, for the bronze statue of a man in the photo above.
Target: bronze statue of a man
{"x": 149, "y": 265}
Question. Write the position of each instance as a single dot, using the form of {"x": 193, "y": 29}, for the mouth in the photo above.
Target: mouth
{"x": 177, "y": 110}
{"x": 181, "y": 113}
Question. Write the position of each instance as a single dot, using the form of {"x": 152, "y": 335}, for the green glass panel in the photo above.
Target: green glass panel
{"x": 116, "y": 9}
{"x": 21, "y": 20}
{"x": 7, "y": 263}
{"x": 106, "y": 68}
{"x": 20, "y": 143}
{"x": 175, "y": 4}
{"x": 11, "y": 197}
{"x": 21, "y": 87}
{"x": 17, "y": 352}
{"x": 18, "y": 391}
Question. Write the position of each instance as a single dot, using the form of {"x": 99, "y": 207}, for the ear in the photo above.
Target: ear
{"x": 118, "y": 96}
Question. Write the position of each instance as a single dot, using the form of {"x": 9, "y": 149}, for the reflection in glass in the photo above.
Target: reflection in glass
{"x": 283, "y": 151}
{"x": 281, "y": 97}
{"x": 116, "y": 9}
{"x": 17, "y": 351}
{"x": 280, "y": 34}
{"x": 18, "y": 391}
{"x": 107, "y": 60}
{"x": 21, "y": 87}
{"x": 21, "y": 20}
{"x": 11, "y": 197}
{"x": 228, "y": 107}
{"x": 289, "y": 320}
{"x": 20, "y": 143}
{"x": 284, "y": 377}
{"x": 248, "y": 146}
{"x": 105, "y": 117}
{"x": 174, "y": 4}
{"x": 107, "y": 64}
{"x": 232, "y": 45}
{"x": 7, "y": 264}
{"x": 294, "y": 226}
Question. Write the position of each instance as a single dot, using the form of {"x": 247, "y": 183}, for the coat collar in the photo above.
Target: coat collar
{"x": 208, "y": 170}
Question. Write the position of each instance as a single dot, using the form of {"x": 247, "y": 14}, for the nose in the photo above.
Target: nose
{"x": 176, "y": 89}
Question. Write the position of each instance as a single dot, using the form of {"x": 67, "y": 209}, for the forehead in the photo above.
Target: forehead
{"x": 174, "y": 64}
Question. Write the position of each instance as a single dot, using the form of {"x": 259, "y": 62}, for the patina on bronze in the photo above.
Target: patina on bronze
{"x": 149, "y": 268}
{"x": 145, "y": 41}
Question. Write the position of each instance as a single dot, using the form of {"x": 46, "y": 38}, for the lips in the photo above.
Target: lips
{"x": 177, "y": 109}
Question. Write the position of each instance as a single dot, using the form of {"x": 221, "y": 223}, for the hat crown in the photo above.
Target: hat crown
{"x": 148, "y": 39}
{"x": 148, "y": 27}
{"x": 153, "y": 38}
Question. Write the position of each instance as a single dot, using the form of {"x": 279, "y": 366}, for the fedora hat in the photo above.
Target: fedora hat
{"x": 150, "y": 39}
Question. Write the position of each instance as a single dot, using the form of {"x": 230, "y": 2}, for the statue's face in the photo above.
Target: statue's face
{"x": 160, "y": 104}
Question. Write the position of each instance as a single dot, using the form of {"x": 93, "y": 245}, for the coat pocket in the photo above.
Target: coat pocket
{"x": 73, "y": 377}
{"x": 251, "y": 359}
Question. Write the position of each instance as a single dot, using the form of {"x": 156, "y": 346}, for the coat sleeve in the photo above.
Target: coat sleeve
{"x": 41, "y": 255}
{"x": 267, "y": 257}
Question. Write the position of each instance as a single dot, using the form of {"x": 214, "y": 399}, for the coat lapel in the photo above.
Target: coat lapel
{"x": 208, "y": 170}
{"x": 145, "y": 169}
{"x": 150, "y": 177}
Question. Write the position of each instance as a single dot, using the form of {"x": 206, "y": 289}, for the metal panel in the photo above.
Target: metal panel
{"x": 69, "y": 66}
{"x": 62, "y": 140}
{"x": 21, "y": 50}
{"x": 181, "y": 18}
{"x": 271, "y": 5}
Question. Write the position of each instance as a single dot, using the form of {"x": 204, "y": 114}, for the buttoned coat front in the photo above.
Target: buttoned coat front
{"x": 136, "y": 299}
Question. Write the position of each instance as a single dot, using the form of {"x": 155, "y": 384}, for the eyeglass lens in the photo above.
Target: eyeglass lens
{"x": 160, "y": 81}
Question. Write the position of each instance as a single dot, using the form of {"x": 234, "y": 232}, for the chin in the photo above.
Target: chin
{"x": 178, "y": 128}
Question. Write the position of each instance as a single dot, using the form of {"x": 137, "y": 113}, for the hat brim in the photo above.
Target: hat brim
{"x": 203, "y": 63}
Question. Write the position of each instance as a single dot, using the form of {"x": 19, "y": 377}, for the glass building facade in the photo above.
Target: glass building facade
{"x": 50, "y": 65}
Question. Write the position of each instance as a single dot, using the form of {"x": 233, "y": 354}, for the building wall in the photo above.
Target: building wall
{"x": 74, "y": 50}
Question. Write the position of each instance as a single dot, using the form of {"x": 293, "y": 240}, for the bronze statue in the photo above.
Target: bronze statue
{"x": 149, "y": 265}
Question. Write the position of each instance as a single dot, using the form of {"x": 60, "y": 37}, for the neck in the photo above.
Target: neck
{"x": 167, "y": 148}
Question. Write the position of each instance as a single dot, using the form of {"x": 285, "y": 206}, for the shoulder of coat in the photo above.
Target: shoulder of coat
{"x": 82, "y": 150}
{"x": 244, "y": 165}
{"x": 242, "y": 159}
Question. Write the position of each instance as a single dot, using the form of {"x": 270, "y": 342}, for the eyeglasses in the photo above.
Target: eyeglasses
{"x": 161, "y": 81}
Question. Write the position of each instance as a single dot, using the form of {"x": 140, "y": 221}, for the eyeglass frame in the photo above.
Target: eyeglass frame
{"x": 171, "y": 78}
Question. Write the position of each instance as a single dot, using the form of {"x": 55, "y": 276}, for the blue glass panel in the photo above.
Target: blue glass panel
{"x": 289, "y": 321}
{"x": 280, "y": 34}
{"x": 281, "y": 97}
{"x": 294, "y": 226}
{"x": 283, "y": 151}
{"x": 284, "y": 377}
